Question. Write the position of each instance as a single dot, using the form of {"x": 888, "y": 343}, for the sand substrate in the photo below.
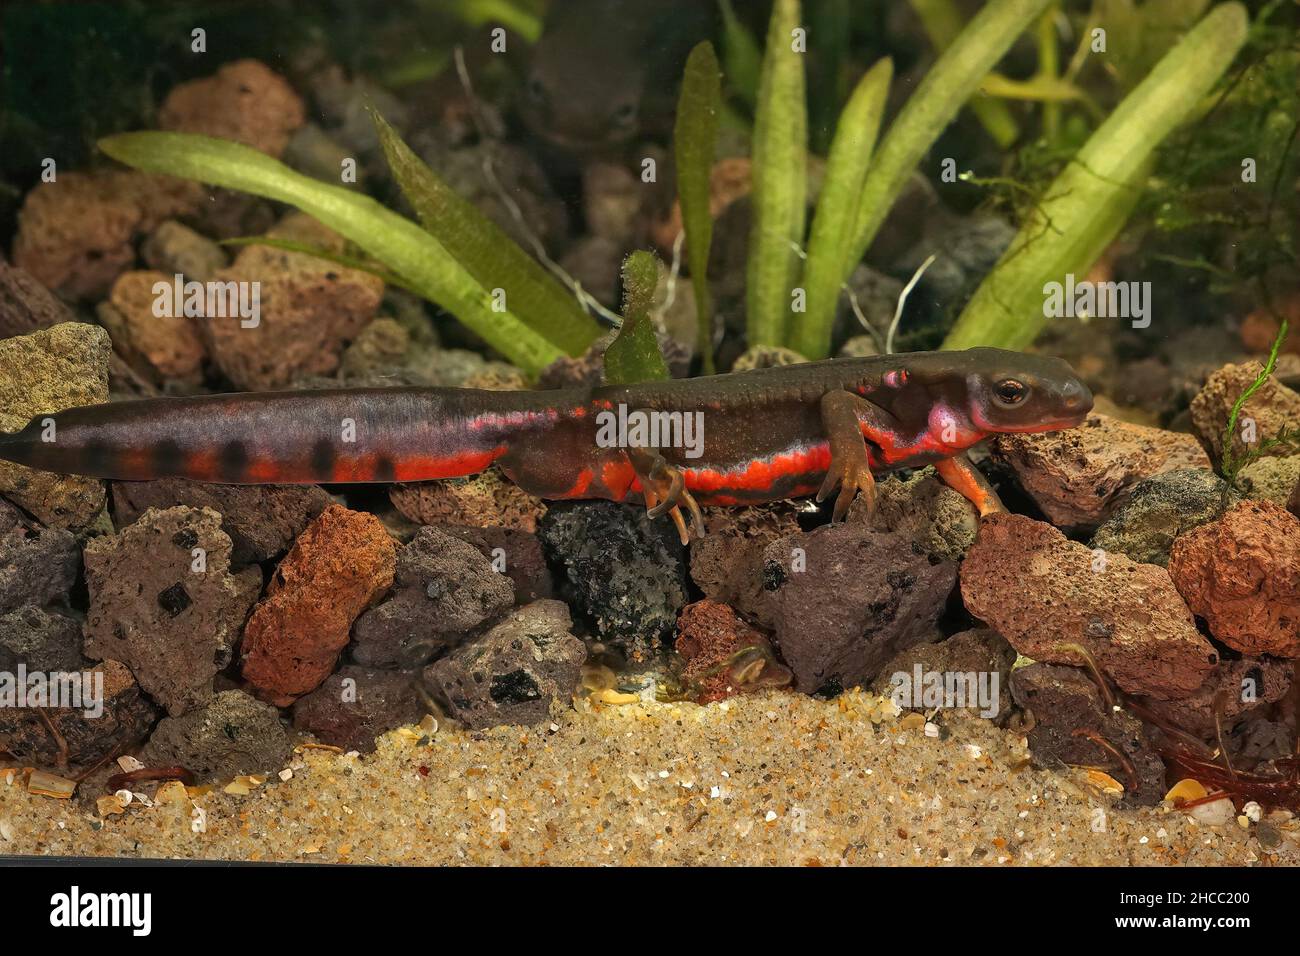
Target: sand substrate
{"x": 776, "y": 778}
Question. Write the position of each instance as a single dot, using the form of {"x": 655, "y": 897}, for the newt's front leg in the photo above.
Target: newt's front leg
{"x": 664, "y": 488}
{"x": 849, "y": 421}
{"x": 960, "y": 474}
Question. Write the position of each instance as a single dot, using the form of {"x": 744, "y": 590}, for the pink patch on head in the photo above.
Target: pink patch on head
{"x": 896, "y": 378}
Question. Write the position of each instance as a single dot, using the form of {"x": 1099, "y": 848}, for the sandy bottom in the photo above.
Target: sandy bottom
{"x": 770, "y": 779}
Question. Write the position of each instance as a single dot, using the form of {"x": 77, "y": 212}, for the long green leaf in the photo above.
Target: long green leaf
{"x": 954, "y": 79}
{"x": 634, "y": 354}
{"x": 485, "y": 250}
{"x": 1089, "y": 202}
{"x": 395, "y": 241}
{"x": 832, "y": 228}
{"x": 779, "y": 181}
{"x": 740, "y": 51}
{"x": 695, "y": 138}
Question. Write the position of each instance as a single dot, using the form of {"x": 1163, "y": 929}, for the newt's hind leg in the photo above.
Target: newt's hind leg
{"x": 665, "y": 491}
{"x": 960, "y": 474}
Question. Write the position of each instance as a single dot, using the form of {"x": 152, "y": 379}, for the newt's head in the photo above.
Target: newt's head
{"x": 584, "y": 99}
{"x": 1015, "y": 392}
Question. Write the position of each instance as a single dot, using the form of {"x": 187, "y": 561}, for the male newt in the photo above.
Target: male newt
{"x": 766, "y": 434}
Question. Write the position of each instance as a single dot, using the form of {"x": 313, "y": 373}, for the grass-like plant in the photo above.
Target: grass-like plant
{"x": 1230, "y": 464}
{"x": 527, "y": 321}
{"x": 634, "y": 354}
{"x": 1087, "y": 205}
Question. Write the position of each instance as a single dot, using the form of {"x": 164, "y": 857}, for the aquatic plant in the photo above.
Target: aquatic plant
{"x": 634, "y": 354}
{"x": 1087, "y": 205}
{"x": 695, "y": 137}
{"x": 519, "y": 313}
{"x": 1231, "y": 464}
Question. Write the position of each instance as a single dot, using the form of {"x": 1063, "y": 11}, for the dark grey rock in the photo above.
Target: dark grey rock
{"x": 38, "y": 565}
{"x": 232, "y": 734}
{"x": 43, "y": 640}
{"x": 1159, "y": 509}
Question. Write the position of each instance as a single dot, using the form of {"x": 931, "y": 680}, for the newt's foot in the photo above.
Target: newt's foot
{"x": 665, "y": 492}
{"x": 853, "y": 477}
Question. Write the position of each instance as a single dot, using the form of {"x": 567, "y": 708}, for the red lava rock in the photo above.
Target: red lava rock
{"x": 1079, "y": 475}
{"x": 480, "y": 501}
{"x": 163, "y": 348}
{"x": 262, "y": 520}
{"x": 310, "y": 310}
{"x": 1244, "y": 684}
{"x": 88, "y": 735}
{"x": 335, "y": 570}
{"x": 1064, "y": 700}
{"x": 244, "y": 101}
{"x": 1041, "y": 591}
{"x": 845, "y": 599}
{"x": 1271, "y": 409}
{"x": 26, "y": 305}
{"x": 75, "y": 234}
{"x": 356, "y": 705}
{"x": 1293, "y": 503}
{"x": 1242, "y": 575}
{"x": 175, "y": 623}
{"x": 722, "y": 655}
{"x": 445, "y": 589}
{"x": 727, "y": 563}
{"x": 232, "y": 734}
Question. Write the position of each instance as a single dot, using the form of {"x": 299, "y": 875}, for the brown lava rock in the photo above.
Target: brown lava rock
{"x": 37, "y": 565}
{"x": 727, "y": 563}
{"x": 26, "y": 305}
{"x": 1272, "y": 409}
{"x": 845, "y": 599}
{"x": 514, "y": 673}
{"x": 356, "y": 705}
{"x": 445, "y": 589}
{"x": 722, "y": 655}
{"x": 479, "y": 501}
{"x": 519, "y": 551}
{"x": 243, "y": 101}
{"x": 924, "y": 509}
{"x": 1064, "y": 700}
{"x": 164, "y": 348}
{"x": 978, "y": 651}
{"x": 89, "y": 736}
{"x": 310, "y": 310}
{"x": 1078, "y": 476}
{"x": 1242, "y": 575}
{"x": 164, "y": 602}
{"x": 262, "y": 520}
{"x": 1042, "y": 591}
{"x": 335, "y": 570}
{"x": 232, "y": 734}
{"x": 1243, "y": 684}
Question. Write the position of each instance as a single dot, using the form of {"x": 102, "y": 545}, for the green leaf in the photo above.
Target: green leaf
{"x": 832, "y": 228}
{"x": 1087, "y": 205}
{"x": 954, "y": 79}
{"x": 740, "y": 51}
{"x": 779, "y": 181}
{"x": 486, "y": 251}
{"x": 398, "y": 243}
{"x": 695, "y": 138}
{"x": 634, "y": 354}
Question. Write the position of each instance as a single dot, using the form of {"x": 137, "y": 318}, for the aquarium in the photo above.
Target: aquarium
{"x": 651, "y": 433}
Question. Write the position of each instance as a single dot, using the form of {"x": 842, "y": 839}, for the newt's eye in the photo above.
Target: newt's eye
{"x": 625, "y": 115}
{"x": 1011, "y": 392}
{"x": 536, "y": 90}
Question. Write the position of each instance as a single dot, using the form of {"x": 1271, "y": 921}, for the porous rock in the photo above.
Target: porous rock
{"x": 479, "y": 501}
{"x": 722, "y": 656}
{"x": 356, "y": 705}
{"x": 38, "y": 565}
{"x": 1271, "y": 410}
{"x": 231, "y": 735}
{"x": 727, "y": 563}
{"x": 244, "y": 101}
{"x": 980, "y": 651}
{"x": 1159, "y": 509}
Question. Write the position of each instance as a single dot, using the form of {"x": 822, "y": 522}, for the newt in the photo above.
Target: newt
{"x": 758, "y": 436}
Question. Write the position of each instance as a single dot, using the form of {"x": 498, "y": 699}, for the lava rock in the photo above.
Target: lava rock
{"x": 1080, "y": 475}
{"x": 845, "y": 599}
{"x": 336, "y": 569}
{"x": 164, "y": 602}
{"x": 766, "y": 356}
{"x": 37, "y": 565}
{"x": 1270, "y": 479}
{"x": 1273, "y": 409}
{"x": 722, "y": 656}
{"x": 979, "y": 651}
{"x": 1161, "y": 508}
{"x": 480, "y": 501}
{"x": 1242, "y": 575}
{"x": 42, "y": 640}
{"x": 355, "y": 705}
{"x": 310, "y": 309}
{"x": 514, "y": 673}
{"x": 244, "y": 101}
{"x": 173, "y": 248}
{"x": 1064, "y": 700}
{"x": 1242, "y": 685}
{"x": 261, "y": 520}
{"x": 925, "y": 510}
{"x": 727, "y": 563}
{"x": 161, "y": 348}
{"x": 611, "y": 201}
{"x": 445, "y": 589}
{"x": 26, "y": 305}
{"x": 1043, "y": 592}
{"x": 89, "y": 734}
{"x": 519, "y": 552}
{"x": 623, "y": 570}
{"x": 48, "y": 371}
{"x": 230, "y": 736}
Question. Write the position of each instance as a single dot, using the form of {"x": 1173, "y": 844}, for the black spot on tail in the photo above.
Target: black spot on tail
{"x": 98, "y": 459}
{"x": 168, "y": 459}
{"x": 385, "y": 470}
{"x": 232, "y": 461}
{"x": 323, "y": 457}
